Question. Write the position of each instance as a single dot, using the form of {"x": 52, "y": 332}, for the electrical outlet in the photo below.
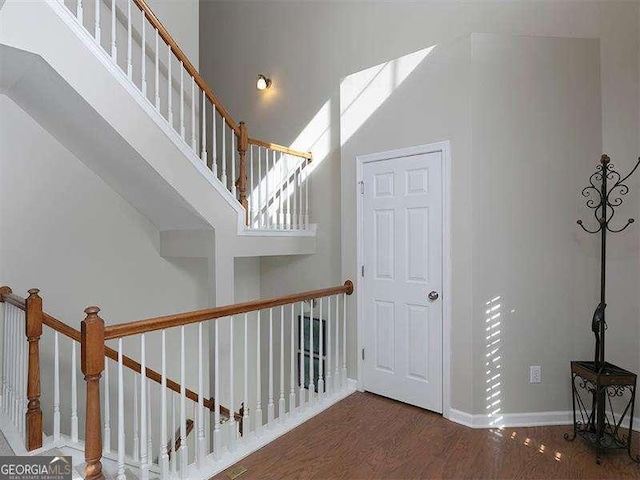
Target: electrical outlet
{"x": 535, "y": 374}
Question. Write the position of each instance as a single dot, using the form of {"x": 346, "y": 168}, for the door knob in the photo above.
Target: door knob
{"x": 433, "y": 295}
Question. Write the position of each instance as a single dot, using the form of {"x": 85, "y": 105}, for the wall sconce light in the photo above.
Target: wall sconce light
{"x": 263, "y": 82}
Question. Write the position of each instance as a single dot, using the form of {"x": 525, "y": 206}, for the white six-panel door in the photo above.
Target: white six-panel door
{"x": 402, "y": 252}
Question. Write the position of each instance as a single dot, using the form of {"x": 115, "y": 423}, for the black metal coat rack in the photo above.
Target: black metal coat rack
{"x": 604, "y": 200}
{"x": 598, "y": 382}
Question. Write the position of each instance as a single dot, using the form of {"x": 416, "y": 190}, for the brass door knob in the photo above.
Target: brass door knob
{"x": 433, "y": 295}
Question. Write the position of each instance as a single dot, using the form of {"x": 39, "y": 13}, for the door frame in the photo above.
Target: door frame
{"x": 445, "y": 148}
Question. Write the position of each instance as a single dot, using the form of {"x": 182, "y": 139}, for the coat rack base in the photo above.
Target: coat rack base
{"x": 603, "y": 401}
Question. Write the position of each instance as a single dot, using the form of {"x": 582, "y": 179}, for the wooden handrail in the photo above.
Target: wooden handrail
{"x": 170, "y": 321}
{"x": 182, "y": 57}
{"x": 191, "y": 70}
{"x": 73, "y": 334}
{"x": 280, "y": 148}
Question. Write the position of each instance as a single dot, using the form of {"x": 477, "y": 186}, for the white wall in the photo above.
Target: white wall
{"x": 66, "y": 232}
{"x": 308, "y": 47}
{"x": 181, "y": 18}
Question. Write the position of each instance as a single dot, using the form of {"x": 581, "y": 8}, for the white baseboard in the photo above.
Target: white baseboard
{"x": 531, "y": 419}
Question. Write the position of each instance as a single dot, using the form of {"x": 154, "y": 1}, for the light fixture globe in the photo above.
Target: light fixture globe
{"x": 263, "y": 82}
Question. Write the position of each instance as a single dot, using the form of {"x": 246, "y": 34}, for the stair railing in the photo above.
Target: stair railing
{"x": 20, "y": 392}
{"x": 307, "y": 368}
{"x": 141, "y": 47}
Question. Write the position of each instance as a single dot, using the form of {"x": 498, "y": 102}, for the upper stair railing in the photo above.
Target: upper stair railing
{"x": 272, "y": 184}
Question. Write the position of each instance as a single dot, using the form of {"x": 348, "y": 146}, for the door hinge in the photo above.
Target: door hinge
{"x": 363, "y": 353}
{"x": 362, "y": 271}
{"x": 361, "y": 182}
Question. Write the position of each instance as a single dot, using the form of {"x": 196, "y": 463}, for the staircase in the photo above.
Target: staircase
{"x": 181, "y": 396}
{"x": 130, "y": 411}
{"x": 107, "y": 79}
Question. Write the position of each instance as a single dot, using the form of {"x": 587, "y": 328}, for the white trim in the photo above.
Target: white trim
{"x": 513, "y": 420}
{"x": 445, "y": 148}
{"x": 257, "y": 232}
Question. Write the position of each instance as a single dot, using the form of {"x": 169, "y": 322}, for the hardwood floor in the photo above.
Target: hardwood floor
{"x": 370, "y": 437}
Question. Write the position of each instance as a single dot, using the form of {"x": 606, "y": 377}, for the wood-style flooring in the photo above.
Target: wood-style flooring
{"x": 370, "y": 437}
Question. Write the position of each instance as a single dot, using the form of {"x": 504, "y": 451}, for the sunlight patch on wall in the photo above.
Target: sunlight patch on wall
{"x": 493, "y": 363}
{"x": 362, "y": 93}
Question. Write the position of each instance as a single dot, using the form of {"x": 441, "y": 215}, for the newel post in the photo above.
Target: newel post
{"x": 92, "y": 357}
{"x": 243, "y": 145}
{"x": 33, "y": 332}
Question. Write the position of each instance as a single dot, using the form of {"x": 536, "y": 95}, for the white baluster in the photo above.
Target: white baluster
{"x": 184, "y": 452}
{"x": 172, "y": 444}
{"x": 306, "y": 197}
{"x": 97, "y": 21}
{"x": 169, "y": 88}
{"x": 74, "y": 394}
{"x": 164, "y": 454}
{"x": 201, "y": 448}
{"x": 320, "y": 354}
{"x": 245, "y": 416}
{"x": 157, "y": 70}
{"x": 329, "y": 379}
{"x": 136, "y": 430}
{"x": 121, "y": 434}
{"x": 149, "y": 436}
{"x": 287, "y": 183}
{"x": 5, "y": 357}
{"x": 56, "y": 387}
{"x": 336, "y": 378}
{"x": 233, "y": 163}
{"x": 106, "y": 441}
{"x": 203, "y": 142}
{"x": 193, "y": 116}
{"x": 143, "y": 56}
{"x": 217, "y": 438}
{"x": 294, "y": 212}
{"x": 214, "y": 143}
{"x": 252, "y": 196}
{"x": 301, "y": 356}
{"x": 267, "y": 174}
{"x": 232, "y": 405}
{"x": 270, "y": 406}
{"x": 129, "y": 42}
{"x": 292, "y": 373}
{"x": 114, "y": 47}
{"x": 224, "y": 154}
{"x": 260, "y": 206}
{"x": 281, "y": 402}
{"x": 14, "y": 366}
{"x": 182, "y": 130}
{"x": 144, "y": 454}
{"x": 11, "y": 360}
{"x": 258, "y": 428}
{"x": 274, "y": 208}
{"x": 312, "y": 385}
{"x": 79, "y": 12}
{"x": 343, "y": 380}
{"x": 300, "y": 204}
{"x": 23, "y": 374}
{"x": 279, "y": 192}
